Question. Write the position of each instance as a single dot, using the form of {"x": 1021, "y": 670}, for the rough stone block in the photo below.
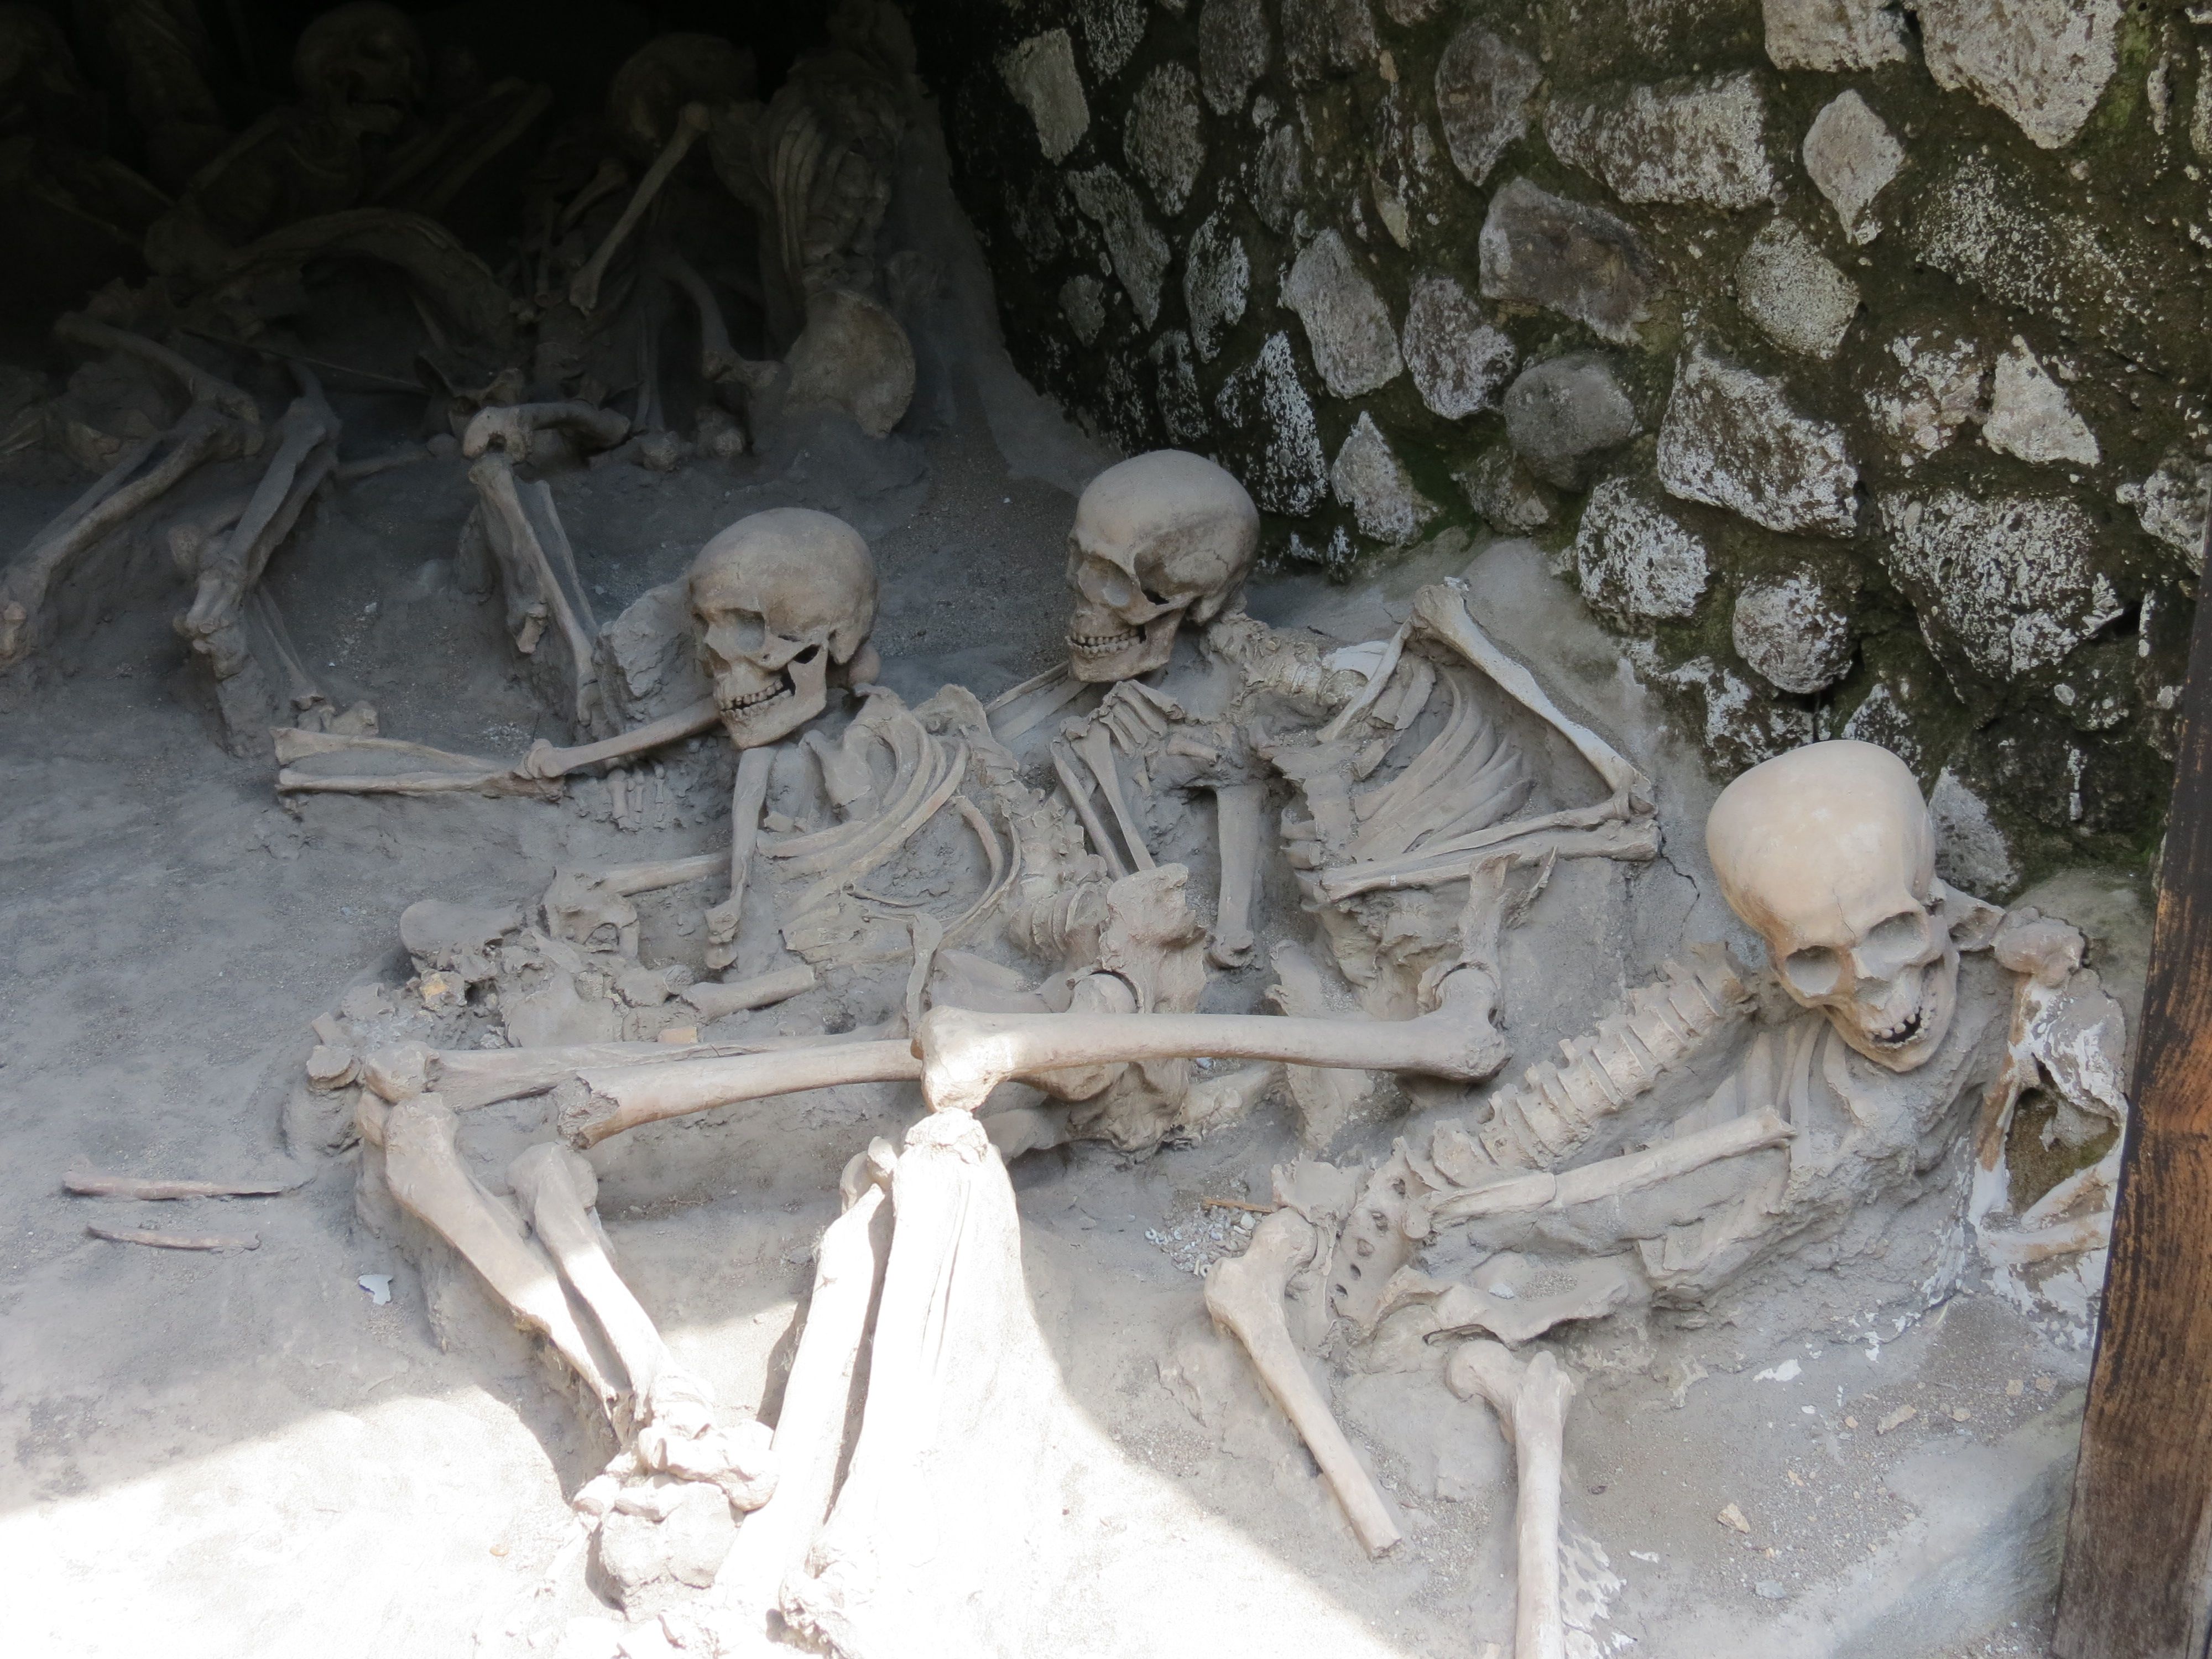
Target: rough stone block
{"x": 1234, "y": 46}
{"x": 2044, "y": 63}
{"x": 1161, "y": 135}
{"x": 1217, "y": 281}
{"x": 1266, "y": 399}
{"x": 1483, "y": 89}
{"x": 1793, "y": 630}
{"x": 1831, "y": 36}
{"x": 1731, "y": 439}
{"x": 1636, "y": 560}
{"x": 1580, "y": 261}
{"x": 1851, "y": 157}
{"x": 1369, "y": 478}
{"x": 1347, "y": 326}
{"x": 1459, "y": 362}
{"x": 1139, "y": 253}
{"x": 1041, "y": 74}
{"x": 2006, "y": 587}
{"x": 1699, "y": 140}
{"x": 2030, "y": 415}
{"x": 1566, "y": 416}
{"x": 1795, "y": 292}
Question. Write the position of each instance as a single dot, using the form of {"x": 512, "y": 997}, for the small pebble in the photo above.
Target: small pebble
{"x": 1768, "y": 1590}
{"x": 2014, "y": 1389}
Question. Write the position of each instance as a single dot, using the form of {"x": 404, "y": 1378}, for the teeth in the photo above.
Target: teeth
{"x": 738, "y": 705}
{"x": 1104, "y": 643}
{"x": 1903, "y": 1031}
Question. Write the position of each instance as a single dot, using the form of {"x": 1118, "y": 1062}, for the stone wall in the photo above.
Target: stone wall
{"x": 1849, "y": 358}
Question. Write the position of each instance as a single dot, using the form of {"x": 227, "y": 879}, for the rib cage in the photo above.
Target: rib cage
{"x": 1558, "y": 1104}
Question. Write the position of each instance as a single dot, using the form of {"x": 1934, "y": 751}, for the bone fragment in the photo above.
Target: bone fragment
{"x": 714, "y": 1000}
{"x": 128, "y": 460}
{"x": 1244, "y": 1294}
{"x": 691, "y": 124}
{"x": 1360, "y": 705}
{"x": 85, "y": 1184}
{"x": 747, "y": 795}
{"x": 1617, "y": 1177}
{"x": 1531, "y": 1403}
{"x": 1237, "y": 809}
{"x": 818, "y": 1396}
{"x": 620, "y": 1099}
{"x": 967, "y": 1054}
{"x": 544, "y": 761}
{"x": 423, "y": 1168}
{"x": 174, "y": 1241}
{"x": 1096, "y": 747}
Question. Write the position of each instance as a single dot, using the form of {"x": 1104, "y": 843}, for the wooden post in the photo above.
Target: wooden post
{"x": 2138, "y": 1575}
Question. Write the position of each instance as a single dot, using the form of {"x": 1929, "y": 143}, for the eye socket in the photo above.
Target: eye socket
{"x": 1902, "y": 933}
{"x": 1814, "y": 971}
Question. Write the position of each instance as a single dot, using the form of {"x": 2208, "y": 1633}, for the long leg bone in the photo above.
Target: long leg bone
{"x": 673, "y": 1410}
{"x": 691, "y": 124}
{"x": 536, "y": 589}
{"x": 204, "y": 432}
{"x": 1244, "y": 1294}
{"x": 1531, "y": 1403}
{"x": 809, "y": 1432}
{"x": 424, "y": 1169}
{"x": 305, "y": 452}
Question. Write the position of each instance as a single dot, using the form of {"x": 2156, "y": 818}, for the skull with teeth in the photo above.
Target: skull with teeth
{"x": 1829, "y": 854}
{"x": 782, "y": 598}
{"x": 1158, "y": 539}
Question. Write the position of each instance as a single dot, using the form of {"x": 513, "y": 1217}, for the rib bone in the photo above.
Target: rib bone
{"x": 1244, "y": 1294}
{"x": 1531, "y": 1403}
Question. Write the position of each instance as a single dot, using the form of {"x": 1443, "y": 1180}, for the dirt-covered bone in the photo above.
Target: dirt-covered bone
{"x": 1828, "y": 853}
{"x": 782, "y": 597}
{"x": 1531, "y": 1401}
{"x": 1159, "y": 540}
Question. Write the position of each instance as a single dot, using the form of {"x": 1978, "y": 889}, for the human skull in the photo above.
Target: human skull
{"x": 1158, "y": 539}
{"x": 780, "y": 596}
{"x": 366, "y": 59}
{"x": 1829, "y": 854}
